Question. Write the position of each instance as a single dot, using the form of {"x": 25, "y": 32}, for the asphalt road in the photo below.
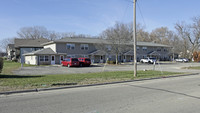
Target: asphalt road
{"x": 43, "y": 70}
{"x": 167, "y": 95}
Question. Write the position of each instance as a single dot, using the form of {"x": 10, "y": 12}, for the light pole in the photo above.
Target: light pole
{"x": 134, "y": 38}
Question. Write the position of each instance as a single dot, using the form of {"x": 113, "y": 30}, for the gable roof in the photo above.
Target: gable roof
{"x": 100, "y": 41}
{"x": 30, "y": 42}
{"x": 98, "y": 52}
{"x": 46, "y": 51}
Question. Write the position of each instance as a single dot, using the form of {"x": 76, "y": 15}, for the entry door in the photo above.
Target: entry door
{"x": 61, "y": 58}
{"x": 52, "y": 59}
{"x": 101, "y": 59}
{"x": 124, "y": 60}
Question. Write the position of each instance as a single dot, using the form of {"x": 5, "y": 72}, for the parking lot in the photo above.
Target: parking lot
{"x": 57, "y": 69}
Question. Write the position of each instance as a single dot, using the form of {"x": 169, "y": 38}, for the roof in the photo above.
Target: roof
{"x": 129, "y": 53}
{"x": 46, "y": 51}
{"x": 98, "y": 52}
{"x": 154, "y": 53}
{"x": 100, "y": 41}
{"x": 30, "y": 42}
{"x": 11, "y": 46}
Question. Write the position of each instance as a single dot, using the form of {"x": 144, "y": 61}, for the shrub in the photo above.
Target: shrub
{"x": 1, "y": 64}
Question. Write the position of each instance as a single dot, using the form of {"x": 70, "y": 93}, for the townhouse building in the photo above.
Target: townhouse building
{"x": 54, "y": 52}
{"x": 22, "y": 46}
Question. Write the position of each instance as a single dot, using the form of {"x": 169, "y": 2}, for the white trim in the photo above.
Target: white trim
{"x": 53, "y": 61}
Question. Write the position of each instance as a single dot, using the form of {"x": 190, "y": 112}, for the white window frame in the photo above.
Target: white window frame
{"x": 43, "y": 58}
{"x": 144, "y": 48}
{"x": 70, "y": 56}
{"x": 85, "y": 56}
{"x": 84, "y": 47}
{"x": 46, "y": 58}
{"x": 108, "y": 47}
{"x": 70, "y": 46}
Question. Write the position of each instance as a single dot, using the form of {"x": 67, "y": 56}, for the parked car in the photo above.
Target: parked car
{"x": 148, "y": 60}
{"x": 181, "y": 60}
{"x": 70, "y": 62}
{"x": 84, "y": 61}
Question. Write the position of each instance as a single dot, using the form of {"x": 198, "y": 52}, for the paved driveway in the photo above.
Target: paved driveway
{"x": 42, "y": 70}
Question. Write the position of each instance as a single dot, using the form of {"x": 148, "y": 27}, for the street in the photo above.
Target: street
{"x": 166, "y": 95}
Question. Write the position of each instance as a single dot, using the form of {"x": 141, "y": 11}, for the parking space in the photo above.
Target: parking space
{"x": 43, "y": 70}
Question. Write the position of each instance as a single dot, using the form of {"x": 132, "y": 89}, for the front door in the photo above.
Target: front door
{"x": 61, "y": 58}
{"x": 101, "y": 59}
{"x": 52, "y": 59}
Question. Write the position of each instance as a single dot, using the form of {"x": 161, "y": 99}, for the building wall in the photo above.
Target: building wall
{"x": 44, "y": 62}
{"x": 142, "y": 52}
{"x": 31, "y": 60}
{"x": 62, "y": 48}
{"x": 52, "y": 46}
{"x": 26, "y": 50}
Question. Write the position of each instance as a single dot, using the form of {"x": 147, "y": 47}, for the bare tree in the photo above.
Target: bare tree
{"x": 184, "y": 31}
{"x": 118, "y": 36}
{"x": 4, "y": 43}
{"x": 33, "y": 32}
{"x": 161, "y": 35}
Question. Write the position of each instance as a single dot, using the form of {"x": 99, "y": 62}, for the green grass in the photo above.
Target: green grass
{"x": 9, "y": 66}
{"x": 16, "y": 82}
{"x": 10, "y": 82}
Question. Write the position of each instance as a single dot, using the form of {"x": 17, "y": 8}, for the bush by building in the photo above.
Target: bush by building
{"x": 1, "y": 64}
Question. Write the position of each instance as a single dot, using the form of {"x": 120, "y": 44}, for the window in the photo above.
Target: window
{"x": 101, "y": 57}
{"x": 44, "y": 58}
{"x": 70, "y": 56}
{"x": 70, "y": 46}
{"x": 108, "y": 47}
{"x": 144, "y": 48}
{"x": 61, "y": 57}
{"x": 86, "y": 56}
{"x": 84, "y": 47}
{"x": 159, "y": 49}
{"x": 41, "y": 58}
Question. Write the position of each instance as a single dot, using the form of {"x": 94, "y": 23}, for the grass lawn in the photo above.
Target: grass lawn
{"x": 16, "y": 82}
{"x": 10, "y": 82}
{"x": 9, "y": 66}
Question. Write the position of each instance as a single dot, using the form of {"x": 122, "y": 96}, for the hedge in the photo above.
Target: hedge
{"x": 1, "y": 64}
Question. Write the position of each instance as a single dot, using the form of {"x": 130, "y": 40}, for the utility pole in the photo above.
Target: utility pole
{"x": 134, "y": 38}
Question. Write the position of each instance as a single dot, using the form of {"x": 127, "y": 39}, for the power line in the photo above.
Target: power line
{"x": 141, "y": 13}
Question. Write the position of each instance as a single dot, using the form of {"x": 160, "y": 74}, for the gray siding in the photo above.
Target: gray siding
{"x": 61, "y": 48}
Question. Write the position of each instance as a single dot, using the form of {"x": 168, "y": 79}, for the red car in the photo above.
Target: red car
{"x": 69, "y": 62}
{"x": 84, "y": 61}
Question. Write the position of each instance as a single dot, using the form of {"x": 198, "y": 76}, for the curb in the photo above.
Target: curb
{"x": 68, "y": 87}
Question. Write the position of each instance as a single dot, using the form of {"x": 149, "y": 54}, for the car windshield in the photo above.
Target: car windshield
{"x": 153, "y": 58}
{"x": 74, "y": 59}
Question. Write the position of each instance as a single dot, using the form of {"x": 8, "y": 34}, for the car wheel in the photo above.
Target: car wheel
{"x": 68, "y": 65}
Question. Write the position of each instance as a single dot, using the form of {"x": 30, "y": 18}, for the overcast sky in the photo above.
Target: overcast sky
{"x": 92, "y": 16}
